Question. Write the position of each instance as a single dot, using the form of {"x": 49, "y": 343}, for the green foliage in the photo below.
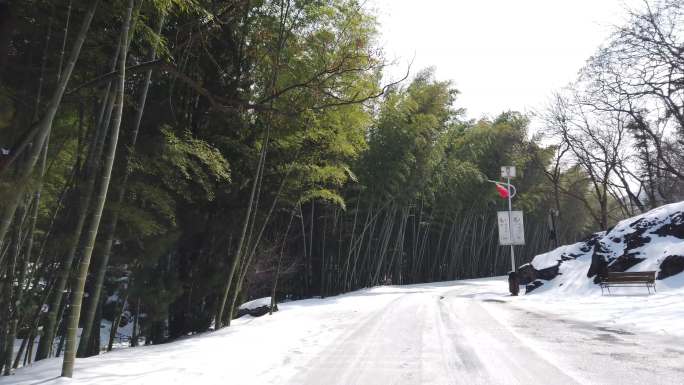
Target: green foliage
{"x": 184, "y": 165}
{"x": 149, "y": 211}
{"x": 325, "y": 195}
{"x": 182, "y": 6}
{"x": 404, "y": 143}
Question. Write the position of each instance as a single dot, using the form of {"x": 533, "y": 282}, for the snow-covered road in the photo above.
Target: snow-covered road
{"x": 463, "y": 335}
{"x": 423, "y": 338}
{"x": 464, "y": 332}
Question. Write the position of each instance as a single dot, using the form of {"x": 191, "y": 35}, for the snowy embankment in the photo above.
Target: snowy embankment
{"x": 563, "y": 281}
{"x": 269, "y": 348}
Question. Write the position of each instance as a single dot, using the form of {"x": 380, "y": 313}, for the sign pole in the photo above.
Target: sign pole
{"x": 510, "y": 221}
{"x": 508, "y": 234}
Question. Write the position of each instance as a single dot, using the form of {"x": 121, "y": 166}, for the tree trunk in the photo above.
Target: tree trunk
{"x": 29, "y": 352}
{"x": 115, "y": 323}
{"x": 77, "y": 298}
{"x": 274, "y": 288}
{"x": 85, "y": 198}
{"x": 46, "y": 340}
{"x": 21, "y": 352}
{"x": 238, "y": 253}
{"x": 253, "y": 249}
{"x": 110, "y": 228}
{"x": 135, "y": 332}
{"x": 11, "y": 298}
{"x": 62, "y": 330}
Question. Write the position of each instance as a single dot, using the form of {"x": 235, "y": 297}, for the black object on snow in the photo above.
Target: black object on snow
{"x": 513, "y": 283}
{"x": 672, "y": 265}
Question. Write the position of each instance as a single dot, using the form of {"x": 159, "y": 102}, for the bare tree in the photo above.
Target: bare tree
{"x": 593, "y": 140}
{"x": 640, "y": 73}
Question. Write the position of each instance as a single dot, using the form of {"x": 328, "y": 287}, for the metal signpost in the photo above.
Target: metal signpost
{"x": 511, "y": 227}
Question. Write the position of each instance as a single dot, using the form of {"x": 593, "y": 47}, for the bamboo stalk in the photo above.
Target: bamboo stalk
{"x": 77, "y": 299}
{"x": 110, "y": 228}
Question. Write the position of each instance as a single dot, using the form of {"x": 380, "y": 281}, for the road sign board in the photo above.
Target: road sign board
{"x": 508, "y": 172}
{"x": 511, "y": 229}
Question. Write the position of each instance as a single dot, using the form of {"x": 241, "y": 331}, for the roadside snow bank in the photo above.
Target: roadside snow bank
{"x": 626, "y": 309}
{"x": 563, "y": 281}
{"x": 653, "y": 241}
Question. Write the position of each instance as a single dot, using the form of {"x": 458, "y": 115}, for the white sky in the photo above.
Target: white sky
{"x": 501, "y": 54}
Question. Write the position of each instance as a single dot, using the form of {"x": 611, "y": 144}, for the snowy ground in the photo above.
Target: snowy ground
{"x": 632, "y": 308}
{"x": 464, "y": 332}
{"x": 121, "y": 341}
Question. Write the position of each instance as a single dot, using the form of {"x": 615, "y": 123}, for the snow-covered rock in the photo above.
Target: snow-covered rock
{"x": 545, "y": 267}
{"x": 256, "y": 308}
{"x": 653, "y": 241}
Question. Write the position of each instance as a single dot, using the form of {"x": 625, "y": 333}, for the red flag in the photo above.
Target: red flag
{"x": 503, "y": 192}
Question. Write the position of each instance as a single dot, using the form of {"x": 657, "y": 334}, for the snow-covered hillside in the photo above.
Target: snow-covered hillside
{"x": 564, "y": 280}
{"x": 653, "y": 241}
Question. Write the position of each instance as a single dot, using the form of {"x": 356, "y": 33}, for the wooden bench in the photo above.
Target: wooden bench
{"x": 629, "y": 279}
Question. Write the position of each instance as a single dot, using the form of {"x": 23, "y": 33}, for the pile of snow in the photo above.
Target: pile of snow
{"x": 653, "y": 241}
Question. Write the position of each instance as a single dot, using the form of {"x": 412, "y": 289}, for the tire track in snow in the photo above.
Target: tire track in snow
{"x": 501, "y": 357}
{"x": 384, "y": 348}
{"x": 420, "y": 338}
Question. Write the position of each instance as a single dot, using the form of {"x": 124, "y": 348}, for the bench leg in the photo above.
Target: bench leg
{"x": 648, "y": 287}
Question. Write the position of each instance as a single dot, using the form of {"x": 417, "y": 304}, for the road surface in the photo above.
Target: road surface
{"x": 464, "y": 336}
